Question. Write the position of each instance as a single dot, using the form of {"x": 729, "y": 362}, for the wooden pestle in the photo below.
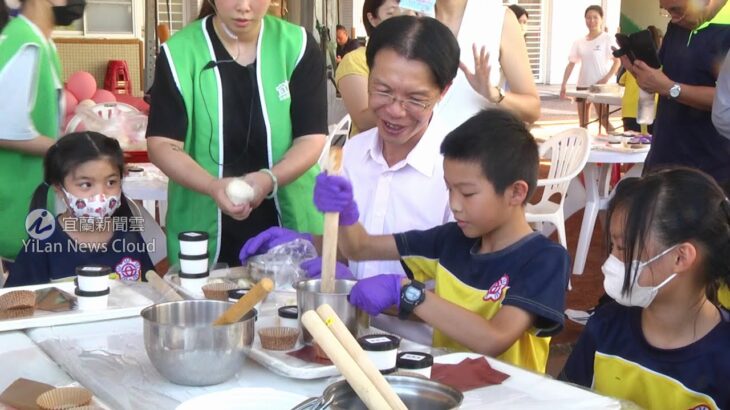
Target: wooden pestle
{"x": 257, "y": 293}
{"x": 338, "y": 328}
{"x": 360, "y": 383}
{"x": 329, "y": 235}
{"x": 168, "y": 293}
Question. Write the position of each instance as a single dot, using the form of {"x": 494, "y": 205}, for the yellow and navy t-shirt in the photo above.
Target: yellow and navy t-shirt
{"x": 530, "y": 274}
{"x": 613, "y": 357}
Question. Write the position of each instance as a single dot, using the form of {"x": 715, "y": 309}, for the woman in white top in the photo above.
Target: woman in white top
{"x": 598, "y": 65}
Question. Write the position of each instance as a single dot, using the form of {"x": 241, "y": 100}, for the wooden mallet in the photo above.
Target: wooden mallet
{"x": 257, "y": 293}
{"x": 331, "y": 224}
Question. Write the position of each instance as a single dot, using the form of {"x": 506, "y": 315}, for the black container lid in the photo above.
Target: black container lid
{"x": 289, "y": 312}
{"x": 194, "y": 275}
{"x": 193, "y": 236}
{"x": 87, "y": 294}
{"x": 379, "y": 342}
{"x": 237, "y": 293}
{"x": 93, "y": 270}
{"x": 193, "y": 257}
{"x": 414, "y": 360}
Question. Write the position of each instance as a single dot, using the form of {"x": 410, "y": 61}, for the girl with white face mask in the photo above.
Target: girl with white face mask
{"x": 663, "y": 342}
{"x": 85, "y": 171}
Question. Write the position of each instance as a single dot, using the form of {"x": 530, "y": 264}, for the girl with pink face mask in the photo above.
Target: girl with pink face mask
{"x": 97, "y": 228}
{"x": 663, "y": 342}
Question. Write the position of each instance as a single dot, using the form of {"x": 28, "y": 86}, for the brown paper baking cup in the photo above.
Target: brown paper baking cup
{"x": 64, "y": 398}
{"x": 278, "y": 338}
{"x": 18, "y": 303}
{"x": 218, "y": 291}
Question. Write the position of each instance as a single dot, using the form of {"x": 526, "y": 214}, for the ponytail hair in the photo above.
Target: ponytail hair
{"x": 68, "y": 153}
{"x": 673, "y": 206}
{"x": 206, "y": 9}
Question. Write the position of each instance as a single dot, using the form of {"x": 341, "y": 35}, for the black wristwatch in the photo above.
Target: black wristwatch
{"x": 411, "y": 295}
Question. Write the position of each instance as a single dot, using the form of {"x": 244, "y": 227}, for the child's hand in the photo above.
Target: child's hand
{"x": 334, "y": 194}
{"x": 268, "y": 239}
{"x": 377, "y": 293}
{"x": 313, "y": 269}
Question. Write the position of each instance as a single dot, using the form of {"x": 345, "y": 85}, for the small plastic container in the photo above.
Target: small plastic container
{"x": 289, "y": 316}
{"x": 91, "y": 301}
{"x": 194, "y": 282}
{"x": 415, "y": 362}
{"x": 382, "y": 349}
{"x": 193, "y": 265}
{"x": 92, "y": 278}
{"x": 235, "y": 294}
{"x": 193, "y": 243}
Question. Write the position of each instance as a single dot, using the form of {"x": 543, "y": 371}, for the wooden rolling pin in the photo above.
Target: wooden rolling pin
{"x": 329, "y": 234}
{"x": 168, "y": 293}
{"x": 257, "y": 293}
{"x": 360, "y": 383}
{"x": 338, "y": 328}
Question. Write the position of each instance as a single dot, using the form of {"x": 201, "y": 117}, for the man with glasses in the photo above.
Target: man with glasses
{"x": 697, "y": 39}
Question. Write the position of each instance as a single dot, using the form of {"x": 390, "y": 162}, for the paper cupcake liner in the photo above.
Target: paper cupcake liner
{"x": 64, "y": 398}
{"x": 278, "y": 338}
{"x": 18, "y": 303}
{"x": 218, "y": 291}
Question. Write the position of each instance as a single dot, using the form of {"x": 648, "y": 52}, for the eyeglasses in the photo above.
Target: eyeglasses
{"x": 379, "y": 99}
{"x": 672, "y": 12}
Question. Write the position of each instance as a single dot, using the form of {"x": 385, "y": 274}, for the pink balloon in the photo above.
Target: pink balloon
{"x": 70, "y": 101}
{"x": 82, "y": 85}
{"x": 103, "y": 96}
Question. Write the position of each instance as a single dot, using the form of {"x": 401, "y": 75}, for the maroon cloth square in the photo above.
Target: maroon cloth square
{"x": 308, "y": 354}
{"x": 468, "y": 374}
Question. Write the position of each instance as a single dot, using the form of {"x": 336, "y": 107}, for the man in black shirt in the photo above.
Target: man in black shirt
{"x": 345, "y": 44}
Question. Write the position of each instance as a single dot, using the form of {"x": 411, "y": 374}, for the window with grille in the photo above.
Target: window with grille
{"x": 534, "y": 34}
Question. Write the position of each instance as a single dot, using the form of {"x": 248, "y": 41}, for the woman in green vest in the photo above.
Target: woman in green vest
{"x": 30, "y": 108}
{"x": 238, "y": 93}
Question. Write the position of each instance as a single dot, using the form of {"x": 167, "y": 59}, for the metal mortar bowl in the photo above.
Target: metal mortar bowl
{"x": 416, "y": 393}
{"x": 310, "y": 296}
{"x": 187, "y": 349}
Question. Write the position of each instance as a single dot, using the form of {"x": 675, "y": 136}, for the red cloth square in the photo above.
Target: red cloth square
{"x": 308, "y": 354}
{"x": 467, "y": 375}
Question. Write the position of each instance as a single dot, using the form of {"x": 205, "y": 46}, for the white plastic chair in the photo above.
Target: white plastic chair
{"x": 342, "y": 129}
{"x": 568, "y": 153}
{"x": 104, "y": 111}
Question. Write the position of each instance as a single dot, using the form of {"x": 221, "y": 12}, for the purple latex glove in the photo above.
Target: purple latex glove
{"x": 268, "y": 239}
{"x": 376, "y": 293}
{"x": 334, "y": 194}
{"x": 313, "y": 269}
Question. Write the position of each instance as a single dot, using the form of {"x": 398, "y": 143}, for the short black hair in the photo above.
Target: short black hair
{"x": 341, "y": 27}
{"x": 418, "y": 38}
{"x": 519, "y": 11}
{"x": 596, "y": 8}
{"x": 370, "y": 6}
{"x": 501, "y": 144}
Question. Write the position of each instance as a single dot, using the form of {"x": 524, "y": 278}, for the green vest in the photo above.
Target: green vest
{"x": 280, "y": 47}
{"x": 20, "y": 173}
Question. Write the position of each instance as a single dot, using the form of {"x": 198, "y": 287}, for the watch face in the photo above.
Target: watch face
{"x": 674, "y": 91}
{"x": 412, "y": 294}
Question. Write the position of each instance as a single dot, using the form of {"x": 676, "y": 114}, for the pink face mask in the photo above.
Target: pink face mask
{"x": 98, "y": 206}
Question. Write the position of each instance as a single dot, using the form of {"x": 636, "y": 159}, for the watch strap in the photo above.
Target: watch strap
{"x": 406, "y": 306}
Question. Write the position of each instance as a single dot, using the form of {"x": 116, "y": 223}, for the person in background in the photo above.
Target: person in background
{"x": 345, "y": 44}
{"x": 597, "y": 63}
{"x": 352, "y": 73}
{"x": 630, "y": 99}
{"x": 662, "y": 344}
{"x": 522, "y": 17}
{"x": 395, "y": 167}
{"x": 721, "y": 104}
{"x": 238, "y": 93}
{"x": 493, "y": 53}
{"x": 86, "y": 170}
{"x": 696, "y": 42}
{"x": 499, "y": 285}
{"x": 30, "y": 108}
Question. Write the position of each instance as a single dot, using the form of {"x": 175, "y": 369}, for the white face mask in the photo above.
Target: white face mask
{"x": 98, "y": 206}
{"x": 613, "y": 281}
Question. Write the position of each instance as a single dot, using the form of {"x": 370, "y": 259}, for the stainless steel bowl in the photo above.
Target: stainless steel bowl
{"x": 309, "y": 296}
{"x": 186, "y": 348}
{"x": 416, "y": 393}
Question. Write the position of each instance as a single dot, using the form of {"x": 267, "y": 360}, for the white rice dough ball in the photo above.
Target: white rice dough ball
{"x": 239, "y": 191}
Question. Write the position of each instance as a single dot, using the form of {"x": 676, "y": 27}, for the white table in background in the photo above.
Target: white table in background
{"x": 149, "y": 187}
{"x": 597, "y": 178}
{"x": 602, "y": 101}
